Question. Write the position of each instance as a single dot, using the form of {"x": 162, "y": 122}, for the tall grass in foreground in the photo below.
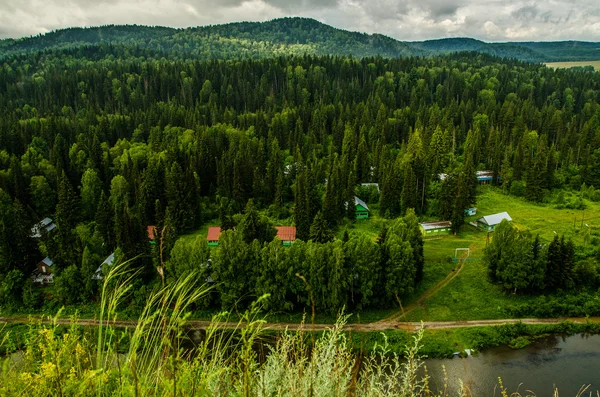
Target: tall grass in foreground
{"x": 151, "y": 359}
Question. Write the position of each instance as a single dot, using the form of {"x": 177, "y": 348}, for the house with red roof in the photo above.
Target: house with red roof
{"x": 287, "y": 234}
{"x": 213, "y": 236}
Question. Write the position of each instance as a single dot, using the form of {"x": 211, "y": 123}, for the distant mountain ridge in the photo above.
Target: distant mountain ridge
{"x": 284, "y": 36}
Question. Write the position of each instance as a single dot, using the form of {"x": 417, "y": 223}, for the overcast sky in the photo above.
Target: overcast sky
{"x": 490, "y": 20}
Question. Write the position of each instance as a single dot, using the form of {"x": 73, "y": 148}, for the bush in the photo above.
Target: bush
{"x": 517, "y": 188}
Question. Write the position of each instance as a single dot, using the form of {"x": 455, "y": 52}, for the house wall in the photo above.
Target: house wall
{"x": 432, "y": 232}
{"x": 43, "y": 268}
{"x": 361, "y": 212}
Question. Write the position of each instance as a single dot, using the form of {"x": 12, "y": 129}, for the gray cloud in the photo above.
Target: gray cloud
{"x": 492, "y": 20}
{"x": 527, "y": 13}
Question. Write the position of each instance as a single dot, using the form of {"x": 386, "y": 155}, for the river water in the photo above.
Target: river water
{"x": 556, "y": 361}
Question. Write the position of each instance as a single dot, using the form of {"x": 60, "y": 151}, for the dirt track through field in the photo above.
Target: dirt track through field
{"x": 370, "y": 327}
{"x": 420, "y": 302}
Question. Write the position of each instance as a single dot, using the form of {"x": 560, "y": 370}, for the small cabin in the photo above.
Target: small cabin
{"x": 470, "y": 211}
{"x": 213, "y": 236}
{"x": 488, "y": 223}
{"x": 485, "y": 177}
{"x": 432, "y": 228}
{"x": 46, "y": 225}
{"x": 108, "y": 262}
{"x": 43, "y": 272}
{"x": 152, "y": 234}
{"x": 362, "y": 210}
{"x": 287, "y": 234}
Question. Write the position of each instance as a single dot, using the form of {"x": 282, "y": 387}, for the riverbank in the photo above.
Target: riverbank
{"x": 444, "y": 343}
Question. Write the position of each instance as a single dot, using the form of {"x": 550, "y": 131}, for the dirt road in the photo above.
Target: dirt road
{"x": 370, "y": 327}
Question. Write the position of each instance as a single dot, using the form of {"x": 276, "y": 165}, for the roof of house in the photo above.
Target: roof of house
{"x": 435, "y": 225}
{"x": 151, "y": 232}
{"x": 367, "y": 184}
{"x": 485, "y": 175}
{"x": 358, "y": 201}
{"x": 213, "y": 233}
{"x": 108, "y": 261}
{"x": 45, "y": 223}
{"x": 286, "y": 233}
{"x": 47, "y": 261}
{"x": 495, "y": 219}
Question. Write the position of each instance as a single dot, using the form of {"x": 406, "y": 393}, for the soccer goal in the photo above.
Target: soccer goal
{"x": 457, "y": 250}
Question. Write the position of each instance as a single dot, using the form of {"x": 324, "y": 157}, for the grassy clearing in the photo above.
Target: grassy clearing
{"x": 567, "y": 65}
{"x": 471, "y": 296}
{"x": 542, "y": 219}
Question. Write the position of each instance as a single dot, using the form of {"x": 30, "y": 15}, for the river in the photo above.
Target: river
{"x": 564, "y": 362}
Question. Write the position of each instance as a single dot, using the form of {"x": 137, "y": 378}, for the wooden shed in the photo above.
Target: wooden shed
{"x": 287, "y": 234}
{"x": 213, "y": 236}
{"x": 432, "y": 228}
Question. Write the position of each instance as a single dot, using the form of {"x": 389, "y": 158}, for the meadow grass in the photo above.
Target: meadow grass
{"x": 542, "y": 219}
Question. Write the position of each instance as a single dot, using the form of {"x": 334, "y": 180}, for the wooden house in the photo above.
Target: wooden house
{"x": 488, "y": 223}
{"x": 213, "y": 236}
{"x": 429, "y": 229}
{"x": 108, "y": 262}
{"x": 43, "y": 272}
{"x": 46, "y": 225}
{"x": 152, "y": 234}
{"x": 362, "y": 210}
{"x": 485, "y": 177}
{"x": 287, "y": 234}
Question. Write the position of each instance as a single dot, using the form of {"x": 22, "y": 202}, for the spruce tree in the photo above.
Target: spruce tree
{"x": 319, "y": 230}
{"x": 67, "y": 215}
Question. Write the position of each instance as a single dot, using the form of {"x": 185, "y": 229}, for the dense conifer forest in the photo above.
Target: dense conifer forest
{"x": 109, "y": 140}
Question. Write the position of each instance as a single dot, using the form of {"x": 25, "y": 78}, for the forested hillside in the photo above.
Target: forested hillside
{"x": 110, "y": 147}
{"x": 285, "y": 36}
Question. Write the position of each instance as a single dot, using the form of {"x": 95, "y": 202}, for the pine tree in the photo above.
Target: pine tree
{"x": 104, "y": 224}
{"x": 67, "y": 215}
{"x": 302, "y": 217}
{"x": 255, "y": 227}
{"x": 350, "y": 198}
{"x": 409, "y": 189}
{"x": 319, "y": 230}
